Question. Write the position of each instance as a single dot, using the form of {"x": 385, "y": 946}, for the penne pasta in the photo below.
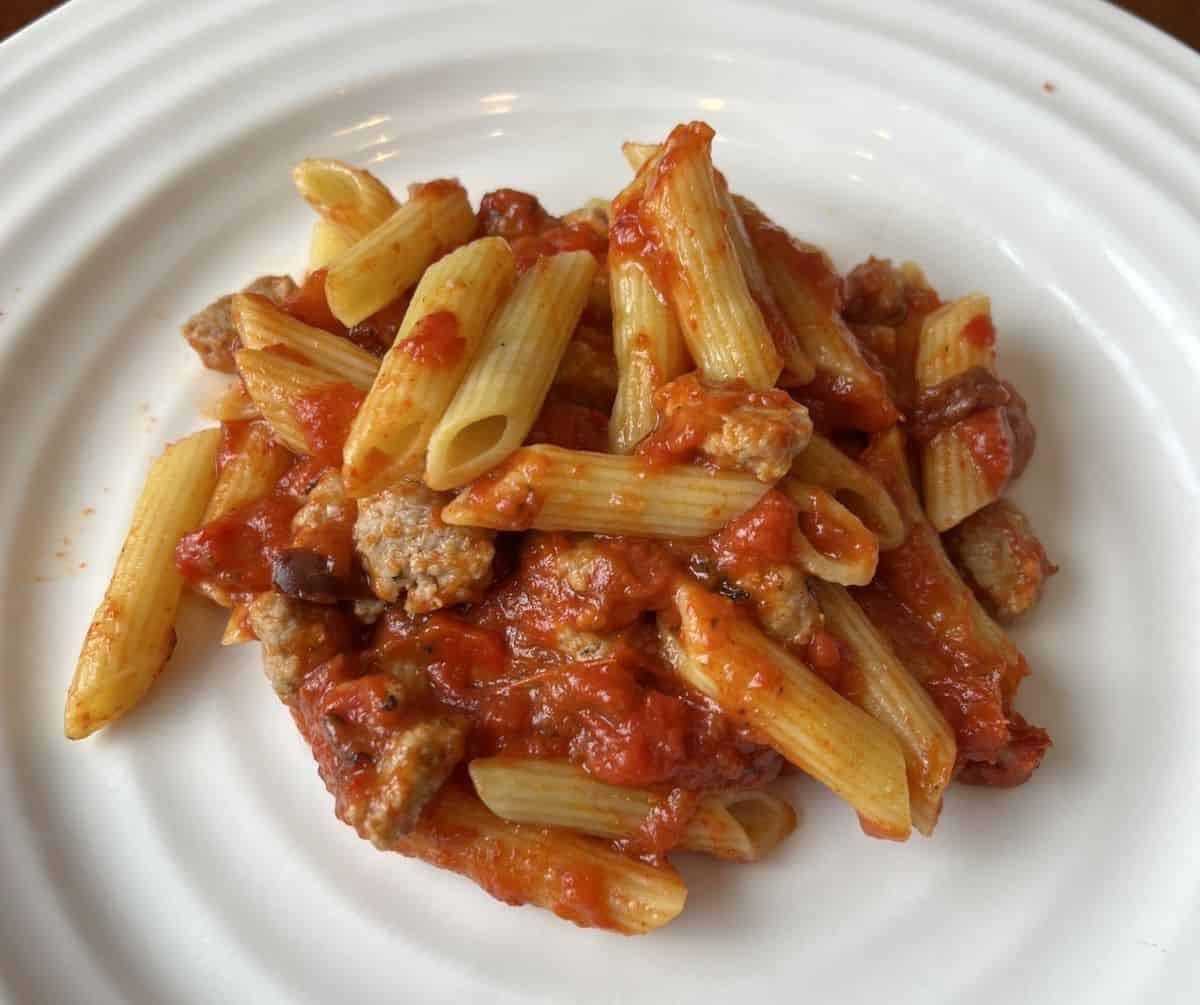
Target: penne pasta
{"x": 649, "y": 351}
{"x": 261, "y": 324}
{"x": 680, "y": 214}
{"x": 349, "y": 199}
{"x": 966, "y": 466}
{"x": 741, "y": 825}
{"x": 326, "y": 243}
{"x": 809, "y": 292}
{"x": 798, "y": 368}
{"x": 422, "y": 370}
{"x": 230, "y": 403}
{"x": 824, "y": 465}
{"x": 578, "y": 878}
{"x": 377, "y": 269}
{"x": 890, "y": 694}
{"x": 275, "y": 383}
{"x": 724, "y": 656}
{"x": 947, "y": 640}
{"x": 502, "y": 393}
{"x": 833, "y": 545}
{"x": 549, "y": 488}
{"x": 246, "y": 474}
{"x": 132, "y": 633}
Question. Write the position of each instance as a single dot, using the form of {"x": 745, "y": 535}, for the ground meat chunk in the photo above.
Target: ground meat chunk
{"x": 782, "y": 603}
{"x": 211, "y": 332}
{"x": 1001, "y": 558}
{"x": 943, "y": 405}
{"x": 588, "y": 371}
{"x": 414, "y": 764}
{"x": 759, "y": 432}
{"x": 404, "y": 546}
{"x": 295, "y": 637}
{"x": 875, "y": 294}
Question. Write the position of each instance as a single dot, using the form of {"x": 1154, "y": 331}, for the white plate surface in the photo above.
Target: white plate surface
{"x": 191, "y": 853}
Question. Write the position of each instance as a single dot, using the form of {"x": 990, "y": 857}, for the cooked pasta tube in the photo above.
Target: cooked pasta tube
{"x": 833, "y": 545}
{"x": 720, "y": 322}
{"x": 132, "y": 633}
{"x": 549, "y": 488}
{"x": 275, "y": 384}
{"x": 504, "y": 387}
{"x": 350, "y": 199}
{"x": 884, "y": 688}
{"x": 579, "y": 878}
{"x": 230, "y": 403}
{"x": 326, "y": 243}
{"x": 742, "y": 825}
{"x": 824, "y": 465}
{"x": 798, "y": 368}
{"x": 422, "y": 370}
{"x": 966, "y": 466}
{"x": 375, "y": 270}
{"x": 261, "y": 324}
{"x": 649, "y": 351}
{"x": 809, "y": 292}
{"x": 248, "y": 473}
{"x": 723, "y": 655}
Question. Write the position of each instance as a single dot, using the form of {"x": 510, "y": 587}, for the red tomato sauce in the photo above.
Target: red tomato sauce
{"x": 235, "y": 551}
{"x": 689, "y": 412}
{"x": 763, "y": 534}
{"x": 532, "y": 233}
{"x": 980, "y": 331}
{"x": 435, "y": 340}
{"x": 325, "y": 415}
{"x": 988, "y": 436}
{"x": 566, "y": 424}
{"x": 307, "y": 304}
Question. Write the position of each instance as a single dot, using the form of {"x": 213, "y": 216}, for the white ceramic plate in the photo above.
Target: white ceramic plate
{"x": 191, "y": 853}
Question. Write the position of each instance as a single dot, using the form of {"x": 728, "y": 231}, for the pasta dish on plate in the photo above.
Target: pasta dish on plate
{"x": 563, "y": 537}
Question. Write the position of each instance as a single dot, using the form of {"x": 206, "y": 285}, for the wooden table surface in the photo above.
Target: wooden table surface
{"x": 1180, "y": 18}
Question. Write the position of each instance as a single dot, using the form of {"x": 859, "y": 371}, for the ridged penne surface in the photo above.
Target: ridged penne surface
{"x": 132, "y": 633}
{"x": 954, "y": 339}
{"x": 275, "y": 383}
{"x": 824, "y": 465}
{"x": 351, "y": 199}
{"x": 834, "y": 544}
{"x": 261, "y": 324}
{"x": 502, "y": 393}
{"x": 550, "y": 488}
{"x": 247, "y": 474}
{"x": 720, "y": 322}
{"x": 885, "y": 689}
{"x": 325, "y": 244}
{"x": 424, "y": 367}
{"x": 720, "y": 653}
{"x": 544, "y": 866}
{"x": 808, "y": 290}
{"x": 649, "y": 350}
{"x": 391, "y": 258}
{"x": 740, "y": 825}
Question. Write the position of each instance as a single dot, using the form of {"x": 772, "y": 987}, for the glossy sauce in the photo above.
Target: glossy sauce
{"x": 236, "y": 551}
{"x": 307, "y": 304}
{"x": 989, "y": 438}
{"x": 980, "y": 331}
{"x": 566, "y": 424}
{"x": 435, "y": 341}
{"x": 325, "y": 415}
